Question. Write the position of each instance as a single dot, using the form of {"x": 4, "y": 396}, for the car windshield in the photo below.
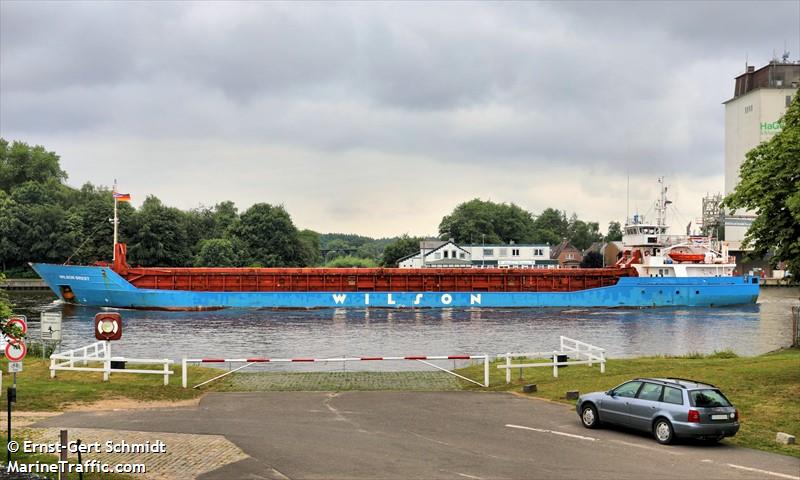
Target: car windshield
{"x": 708, "y": 398}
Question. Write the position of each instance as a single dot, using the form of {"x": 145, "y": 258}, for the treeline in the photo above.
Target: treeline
{"x": 44, "y": 220}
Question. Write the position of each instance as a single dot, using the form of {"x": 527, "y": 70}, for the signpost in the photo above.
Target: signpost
{"x": 50, "y": 331}
{"x": 15, "y": 350}
{"x": 107, "y": 327}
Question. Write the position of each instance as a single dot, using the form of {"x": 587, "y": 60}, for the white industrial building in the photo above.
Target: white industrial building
{"x": 752, "y": 116}
{"x": 448, "y": 254}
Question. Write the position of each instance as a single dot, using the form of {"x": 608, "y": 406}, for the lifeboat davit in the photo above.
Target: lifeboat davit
{"x": 687, "y": 257}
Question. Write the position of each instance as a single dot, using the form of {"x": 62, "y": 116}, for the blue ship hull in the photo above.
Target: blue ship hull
{"x": 101, "y": 286}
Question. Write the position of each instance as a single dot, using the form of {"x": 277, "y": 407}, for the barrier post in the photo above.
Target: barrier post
{"x": 555, "y": 364}
{"x": 508, "y": 364}
{"x": 486, "y": 370}
{"x": 602, "y": 362}
{"x": 184, "y": 376}
{"x": 106, "y": 361}
{"x": 52, "y": 367}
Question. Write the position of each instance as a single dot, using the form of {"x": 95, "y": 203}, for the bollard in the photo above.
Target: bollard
{"x": 64, "y": 440}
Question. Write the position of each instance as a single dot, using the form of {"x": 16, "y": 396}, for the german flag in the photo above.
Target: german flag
{"x": 122, "y": 197}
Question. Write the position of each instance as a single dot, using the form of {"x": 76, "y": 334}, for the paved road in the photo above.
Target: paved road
{"x": 430, "y": 435}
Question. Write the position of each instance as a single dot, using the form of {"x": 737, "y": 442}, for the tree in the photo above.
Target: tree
{"x": 402, "y": 247}
{"x": 583, "y": 234}
{"x": 550, "y": 227}
{"x": 592, "y": 260}
{"x": 309, "y": 246}
{"x": 478, "y": 221}
{"x": 20, "y": 163}
{"x": 12, "y": 331}
{"x": 269, "y": 237}
{"x": 770, "y": 186}
{"x": 351, "y": 262}
{"x": 614, "y": 232}
{"x": 159, "y": 236}
{"x": 216, "y": 252}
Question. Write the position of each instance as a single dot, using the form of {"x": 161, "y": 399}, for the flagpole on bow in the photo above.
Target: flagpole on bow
{"x": 116, "y": 219}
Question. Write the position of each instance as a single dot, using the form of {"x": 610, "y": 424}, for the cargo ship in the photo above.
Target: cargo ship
{"x": 654, "y": 270}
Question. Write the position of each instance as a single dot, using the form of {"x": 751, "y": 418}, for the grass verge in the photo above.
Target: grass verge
{"x": 765, "y": 389}
{"x": 36, "y": 391}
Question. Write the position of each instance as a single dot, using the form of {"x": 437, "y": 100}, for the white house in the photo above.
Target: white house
{"x": 441, "y": 254}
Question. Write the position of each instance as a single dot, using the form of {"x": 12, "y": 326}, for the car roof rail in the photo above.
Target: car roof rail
{"x": 698, "y": 382}
{"x": 662, "y": 380}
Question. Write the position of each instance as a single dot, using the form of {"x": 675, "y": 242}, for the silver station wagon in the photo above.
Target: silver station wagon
{"x": 667, "y": 407}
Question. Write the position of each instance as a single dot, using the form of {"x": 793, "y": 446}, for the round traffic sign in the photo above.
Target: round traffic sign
{"x": 18, "y": 320}
{"x": 16, "y": 351}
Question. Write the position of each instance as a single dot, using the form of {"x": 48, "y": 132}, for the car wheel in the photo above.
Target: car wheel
{"x": 589, "y": 416}
{"x": 663, "y": 432}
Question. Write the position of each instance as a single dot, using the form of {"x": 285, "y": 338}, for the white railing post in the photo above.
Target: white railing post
{"x": 107, "y": 361}
{"x": 166, "y": 372}
{"x": 555, "y": 364}
{"x": 508, "y": 370}
{"x": 590, "y": 356}
{"x": 71, "y": 361}
{"x": 602, "y": 362}
{"x": 486, "y": 370}
{"x": 184, "y": 377}
{"x": 52, "y": 367}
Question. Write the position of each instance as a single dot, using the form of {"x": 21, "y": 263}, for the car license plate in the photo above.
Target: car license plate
{"x": 719, "y": 417}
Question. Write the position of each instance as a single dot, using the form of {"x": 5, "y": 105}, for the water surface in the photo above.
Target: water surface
{"x": 747, "y": 330}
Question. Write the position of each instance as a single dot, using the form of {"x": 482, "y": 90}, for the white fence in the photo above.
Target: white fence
{"x": 101, "y": 352}
{"x": 584, "y": 353}
{"x": 419, "y": 358}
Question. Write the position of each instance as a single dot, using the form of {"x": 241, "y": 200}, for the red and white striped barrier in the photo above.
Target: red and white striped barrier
{"x": 421, "y": 358}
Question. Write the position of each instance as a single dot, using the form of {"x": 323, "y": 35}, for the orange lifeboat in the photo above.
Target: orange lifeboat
{"x": 687, "y": 257}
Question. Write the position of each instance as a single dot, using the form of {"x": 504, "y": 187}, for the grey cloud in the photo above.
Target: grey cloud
{"x": 624, "y": 85}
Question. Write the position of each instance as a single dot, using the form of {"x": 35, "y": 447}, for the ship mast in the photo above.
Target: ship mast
{"x": 115, "y": 221}
{"x": 661, "y": 204}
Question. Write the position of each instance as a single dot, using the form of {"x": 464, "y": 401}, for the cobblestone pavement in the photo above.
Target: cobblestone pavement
{"x": 186, "y": 456}
{"x": 342, "y": 381}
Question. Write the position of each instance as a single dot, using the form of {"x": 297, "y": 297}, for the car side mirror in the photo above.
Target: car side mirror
{"x": 610, "y": 393}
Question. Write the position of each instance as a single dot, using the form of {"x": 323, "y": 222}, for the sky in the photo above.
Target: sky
{"x": 380, "y": 118}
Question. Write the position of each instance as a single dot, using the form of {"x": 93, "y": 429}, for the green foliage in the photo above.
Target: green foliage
{"x": 402, "y": 247}
{"x": 351, "y": 262}
{"x": 216, "y": 252}
{"x": 20, "y": 163}
{"x": 583, "y": 234}
{"x": 157, "y": 238}
{"x": 309, "y": 247}
{"x": 550, "y": 227}
{"x": 478, "y": 221}
{"x": 614, "y": 232}
{"x": 770, "y": 186}
{"x": 268, "y": 237}
{"x": 592, "y": 260}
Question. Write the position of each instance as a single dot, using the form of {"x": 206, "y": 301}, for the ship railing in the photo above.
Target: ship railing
{"x": 101, "y": 352}
{"x": 582, "y": 352}
{"x": 261, "y": 360}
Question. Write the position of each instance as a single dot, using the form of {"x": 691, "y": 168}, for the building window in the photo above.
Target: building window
{"x": 462, "y": 255}
{"x": 538, "y": 252}
{"x": 748, "y": 108}
{"x": 445, "y": 253}
{"x": 788, "y": 101}
{"x": 488, "y": 252}
{"x": 503, "y": 252}
{"x": 569, "y": 256}
{"x": 515, "y": 252}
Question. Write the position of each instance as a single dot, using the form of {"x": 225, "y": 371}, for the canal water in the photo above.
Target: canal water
{"x": 746, "y": 330}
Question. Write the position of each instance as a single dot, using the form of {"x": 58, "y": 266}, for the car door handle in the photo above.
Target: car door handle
{"x": 652, "y": 407}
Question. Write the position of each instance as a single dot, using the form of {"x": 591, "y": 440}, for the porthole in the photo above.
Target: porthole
{"x": 697, "y": 292}
{"x": 677, "y": 292}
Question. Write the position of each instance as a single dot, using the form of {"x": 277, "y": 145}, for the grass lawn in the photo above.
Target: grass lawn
{"x": 36, "y": 391}
{"x": 765, "y": 389}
